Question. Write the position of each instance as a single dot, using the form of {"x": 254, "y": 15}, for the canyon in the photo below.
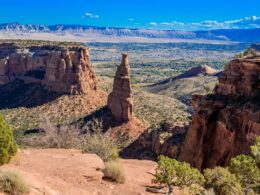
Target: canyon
{"x": 227, "y": 122}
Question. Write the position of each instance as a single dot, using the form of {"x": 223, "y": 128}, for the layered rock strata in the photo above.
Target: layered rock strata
{"x": 62, "y": 69}
{"x": 227, "y": 122}
{"x": 120, "y": 99}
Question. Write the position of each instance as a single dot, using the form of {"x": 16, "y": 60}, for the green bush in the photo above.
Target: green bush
{"x": 256, "y": 150}
{"x": 12, "y": 183}
{"x": 222, "y": 181}
{"x": 8, "y": 147}
{"x": 246, "y": 170}
{"x": 170, "y": 172}
{"x": 114, "y": 172}
{"x": 101, "y": 145}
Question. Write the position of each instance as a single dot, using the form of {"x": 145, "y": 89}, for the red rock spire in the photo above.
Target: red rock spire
{"x": 120, "y": 99}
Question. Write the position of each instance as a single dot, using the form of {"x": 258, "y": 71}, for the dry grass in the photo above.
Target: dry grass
{"x": 101, "y": 145}
{"x": 89, "y": 138}
{"x": 155, "y": 109}
{"x": 32, "y": 43}
{"x": 114, "y": 172}
{"x": 12, "y": 183}
{"x": 182, "y": 89}
{"x": 64, "y": 110}
{"x": 51, "y": 136}
{"x": 62, "y": 137}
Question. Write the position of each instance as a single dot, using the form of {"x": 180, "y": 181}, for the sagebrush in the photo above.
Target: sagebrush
{"x": 12, "y": 183}
{"x": 114, "y": 172}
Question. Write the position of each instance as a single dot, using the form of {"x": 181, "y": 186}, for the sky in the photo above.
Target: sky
{"x": 152, "y": 14}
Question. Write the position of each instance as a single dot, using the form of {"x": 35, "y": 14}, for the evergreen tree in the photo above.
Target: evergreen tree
{"x": 8, "y": 147}
{"x": 222, "y": 181}
{"x": 171, "y": 173}
{"x": 246, "y": 170}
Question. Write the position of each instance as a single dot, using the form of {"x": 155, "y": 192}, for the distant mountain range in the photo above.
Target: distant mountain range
{"x": 238, "y": 35}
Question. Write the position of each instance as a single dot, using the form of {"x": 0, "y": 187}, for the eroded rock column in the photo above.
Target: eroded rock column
{"x": 120, "y": 99}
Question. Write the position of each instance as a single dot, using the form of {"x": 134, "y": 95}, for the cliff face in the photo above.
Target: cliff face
{"x": 227, "y": 122}
{"x": 120, "y": 99}
{"x": 62, "y": 69}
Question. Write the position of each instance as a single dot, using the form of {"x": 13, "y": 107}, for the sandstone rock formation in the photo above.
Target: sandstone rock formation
{"x": 227, "y": 122}
{"x": 120, "y": 99}
{"x": 62, "y": 69}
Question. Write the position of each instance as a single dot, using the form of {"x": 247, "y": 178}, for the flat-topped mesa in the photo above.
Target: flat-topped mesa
{"x": 62, "y": 69}
{"x": 120, "y": 99}
{"x": 226, "y": 123}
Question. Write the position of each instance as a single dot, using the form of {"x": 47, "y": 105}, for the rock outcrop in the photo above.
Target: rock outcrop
{"x": 227, "y": 122}
{"x": 62, "y": 69}
{"x": 120, "y": 99}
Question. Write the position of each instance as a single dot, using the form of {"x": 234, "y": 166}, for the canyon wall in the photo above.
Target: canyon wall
{"x": 226, "y": 122}
{"x": 62, "y": 69}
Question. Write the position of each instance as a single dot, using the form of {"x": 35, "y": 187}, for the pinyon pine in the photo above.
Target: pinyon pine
{"x": 8, "y": 147}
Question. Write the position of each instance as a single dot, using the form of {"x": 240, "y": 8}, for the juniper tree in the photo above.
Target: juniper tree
{"x": 8, "y": 147}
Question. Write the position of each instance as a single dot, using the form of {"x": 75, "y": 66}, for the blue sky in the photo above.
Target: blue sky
{"x": 162, "y": 14}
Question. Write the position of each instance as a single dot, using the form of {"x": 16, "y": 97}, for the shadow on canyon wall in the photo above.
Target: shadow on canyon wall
{"x": 19, "y": 94}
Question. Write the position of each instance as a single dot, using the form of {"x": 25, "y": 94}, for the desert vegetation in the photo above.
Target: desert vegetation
{"x": 8, "y": 147}
{"x": 12, "y": 183}
{"x": 222, "y": 181}
{"x": 89, "y": 139}
{"x": 32, "y": 43}
{"x": 102, "y": 145}
{"x": 171, "y": 173}
{"x": 250, "y": 52}
{"x": 151, "y": 63}
{"x": 113, "y": 171}
{"x": 242, "y": 176}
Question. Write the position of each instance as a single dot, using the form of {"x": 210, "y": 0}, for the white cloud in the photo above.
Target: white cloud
{"x": 153, "y": 23}
{"x": 173, "y": 23}
{"x": 210, "y": 22}
{"x": 131, "y": 19}
{"x": 247, "y": 22}
{"x": 90, "y": 15}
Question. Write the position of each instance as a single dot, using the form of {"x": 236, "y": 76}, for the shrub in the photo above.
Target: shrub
{"x": 246, "y": 170}
{"x": 114, "y": 172}
{"x": 255, "y": 149}
{"x": 8, "y": 147}
{"x": 171, "y": 173}
{"x": 57, "y": 137}
{"x": 222, "y": 181}
{"x": 196, "y": 189}
{"x": 12, "y": 183}
{"x": 102, "y": 145}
